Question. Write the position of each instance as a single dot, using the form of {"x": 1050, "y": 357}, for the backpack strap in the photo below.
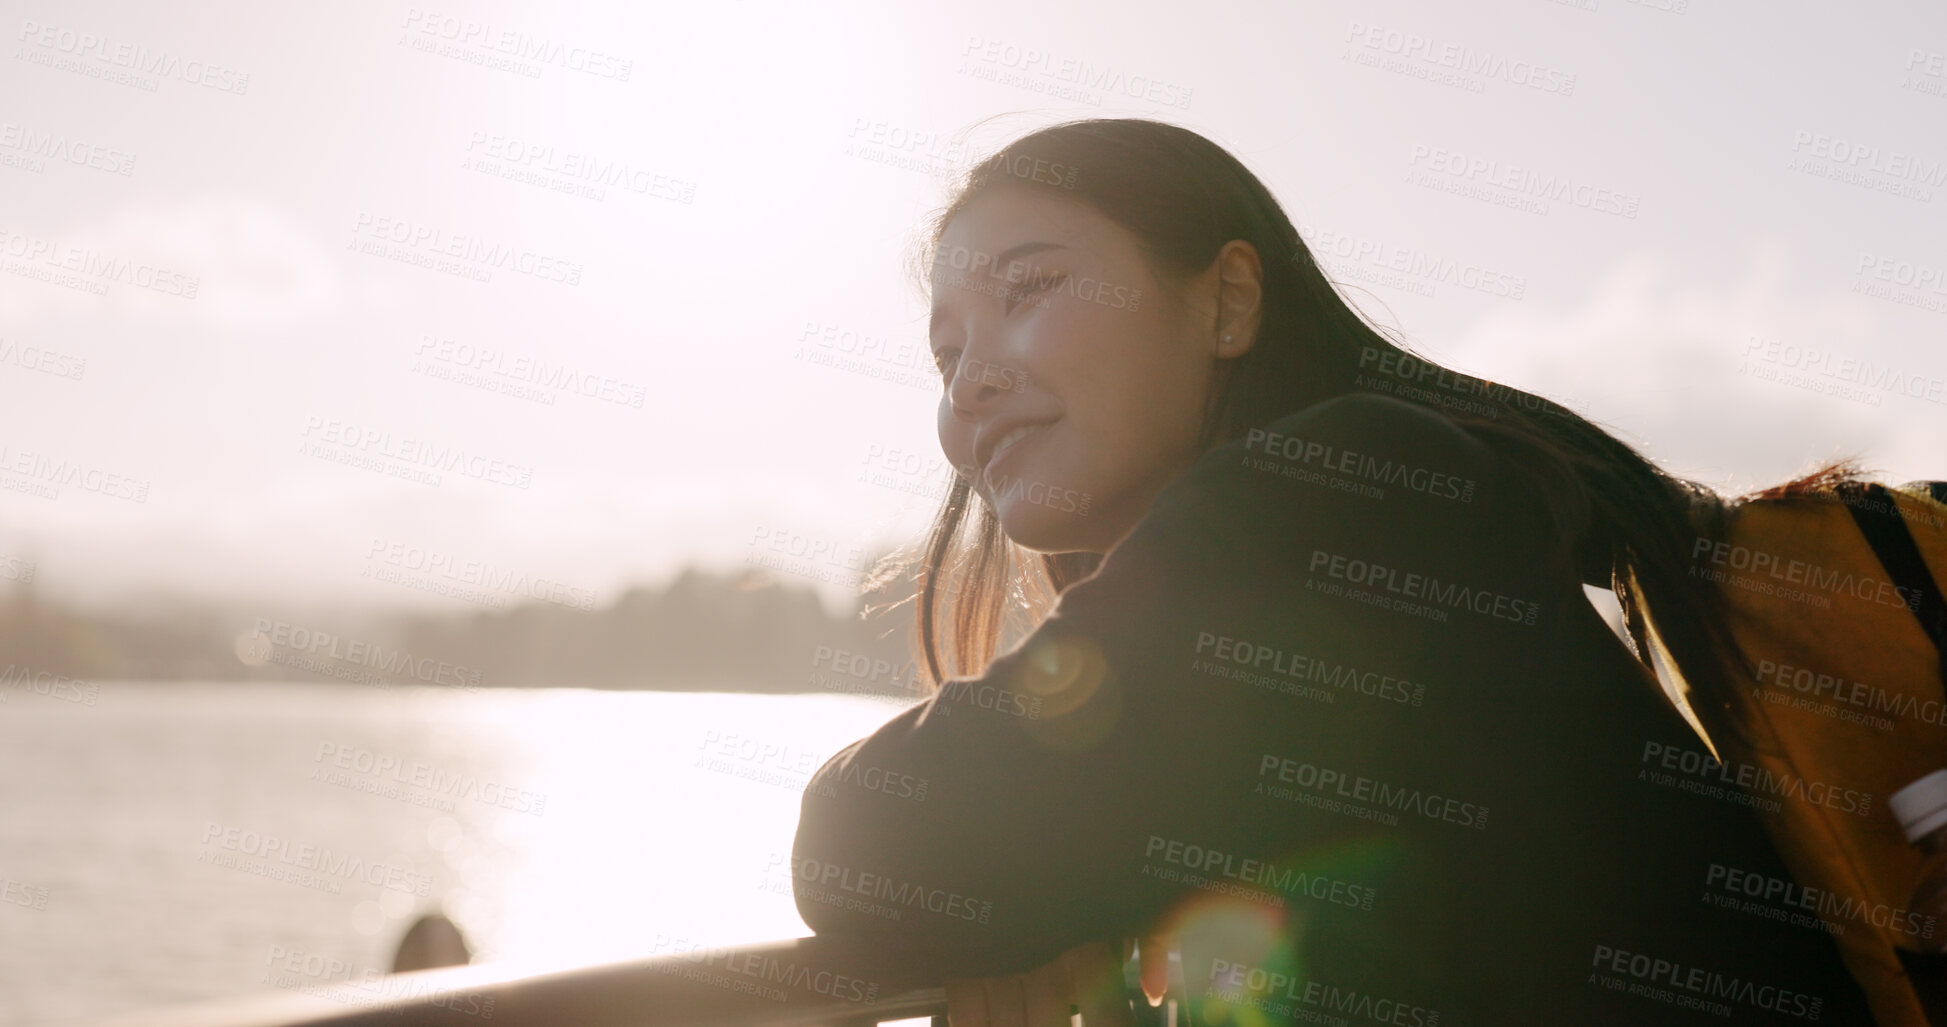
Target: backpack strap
{"x": 1884, "y": 527}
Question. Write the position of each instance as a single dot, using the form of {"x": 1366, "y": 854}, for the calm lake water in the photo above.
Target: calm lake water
{"x": 176, "y": 842}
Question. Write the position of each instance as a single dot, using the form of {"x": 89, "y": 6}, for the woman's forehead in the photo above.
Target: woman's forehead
{"x": 1004, "y": 218}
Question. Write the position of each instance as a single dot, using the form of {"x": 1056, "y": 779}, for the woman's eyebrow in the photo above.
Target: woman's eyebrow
{"x": 1000, "y": 260}
{"x": 1024, "y": 249}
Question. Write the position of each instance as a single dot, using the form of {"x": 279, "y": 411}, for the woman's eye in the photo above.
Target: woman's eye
{"x": 943, "y": 359}
{"x": 1029, "y": 288}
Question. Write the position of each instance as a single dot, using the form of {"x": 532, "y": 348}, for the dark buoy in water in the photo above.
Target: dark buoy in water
{"x": 432, "y": 941}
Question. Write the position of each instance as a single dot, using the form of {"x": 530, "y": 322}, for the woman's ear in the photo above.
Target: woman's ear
{"x": 1240, "y": 297}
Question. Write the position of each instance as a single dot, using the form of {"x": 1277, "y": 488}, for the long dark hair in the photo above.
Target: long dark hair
{"x": 1183, "y": 197}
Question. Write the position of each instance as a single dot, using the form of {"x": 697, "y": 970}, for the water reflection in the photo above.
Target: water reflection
{"x": 197, "y": 840}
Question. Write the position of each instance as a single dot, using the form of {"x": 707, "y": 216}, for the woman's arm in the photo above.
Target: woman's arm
{"x": 1072, "y": 789}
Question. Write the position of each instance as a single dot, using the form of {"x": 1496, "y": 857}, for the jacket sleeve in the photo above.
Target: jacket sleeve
{"x": 1048, "y": 801}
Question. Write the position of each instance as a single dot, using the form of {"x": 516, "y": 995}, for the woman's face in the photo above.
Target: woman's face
{"x": 1047, "y": 317}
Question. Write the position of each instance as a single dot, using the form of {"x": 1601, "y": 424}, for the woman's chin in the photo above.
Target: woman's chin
{"x": 1046, "y": 530}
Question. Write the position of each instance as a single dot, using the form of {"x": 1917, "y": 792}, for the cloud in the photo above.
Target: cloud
{"x": 1679, "y": 369}
{"x": 253, "y": 267}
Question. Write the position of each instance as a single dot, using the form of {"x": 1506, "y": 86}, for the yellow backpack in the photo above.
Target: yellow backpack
{"x": 1834, "y": 597}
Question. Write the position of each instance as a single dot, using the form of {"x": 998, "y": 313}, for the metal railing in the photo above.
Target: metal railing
{"x": 802, "y": 982}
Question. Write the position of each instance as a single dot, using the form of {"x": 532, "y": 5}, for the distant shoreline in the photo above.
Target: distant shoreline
{"x": 718, "y": 688}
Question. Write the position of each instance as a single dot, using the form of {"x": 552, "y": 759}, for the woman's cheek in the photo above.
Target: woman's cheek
{"x": 956, "y": 442}
{"x": 1081, "y": 468}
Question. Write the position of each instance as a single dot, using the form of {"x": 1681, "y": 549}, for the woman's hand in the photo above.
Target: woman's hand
{"x": 1088, "y": 976}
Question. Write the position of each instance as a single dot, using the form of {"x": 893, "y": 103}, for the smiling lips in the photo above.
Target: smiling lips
{"x": 1007, "y": 442}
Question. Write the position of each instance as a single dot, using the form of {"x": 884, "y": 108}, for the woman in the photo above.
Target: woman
{"x": 1321, "y": 702}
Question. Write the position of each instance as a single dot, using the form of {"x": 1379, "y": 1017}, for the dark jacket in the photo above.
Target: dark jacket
{"x": 1339, "y": 713}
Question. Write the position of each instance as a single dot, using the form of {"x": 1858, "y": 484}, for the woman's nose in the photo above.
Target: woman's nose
{"x": 971, "y": 393}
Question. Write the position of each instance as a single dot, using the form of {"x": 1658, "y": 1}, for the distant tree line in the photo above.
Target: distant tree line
{"x": 742, "y": 631}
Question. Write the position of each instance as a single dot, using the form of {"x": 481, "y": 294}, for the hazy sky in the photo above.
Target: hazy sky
{"x": 263, "y": 260}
